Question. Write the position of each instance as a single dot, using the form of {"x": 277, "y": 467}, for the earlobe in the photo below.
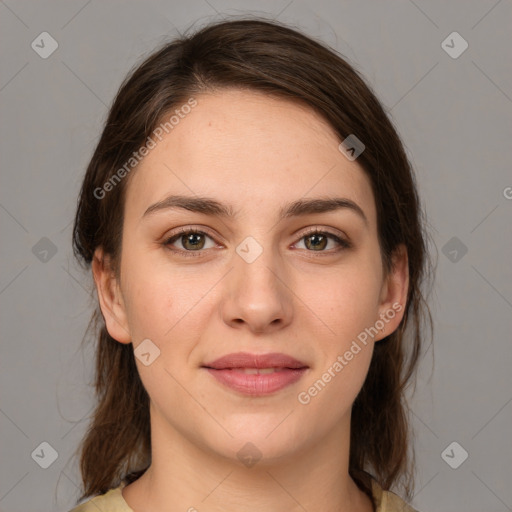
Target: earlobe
{"x": 394, "y": 293}
{"x": 109, "y": 297}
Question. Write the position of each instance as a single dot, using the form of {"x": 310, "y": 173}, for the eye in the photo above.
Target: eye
{"x": 191, "y": 240}
{"x": 317, "y": 240}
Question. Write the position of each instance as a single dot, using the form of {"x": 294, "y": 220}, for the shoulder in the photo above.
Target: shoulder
{"x": 387, "y": 501}
{"x": 111, "y": 501}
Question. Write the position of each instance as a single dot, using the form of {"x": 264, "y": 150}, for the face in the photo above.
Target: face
{"x": 256, "y": 279}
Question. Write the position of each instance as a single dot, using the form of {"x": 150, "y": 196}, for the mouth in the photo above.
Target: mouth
{"x": 256, "y": 375}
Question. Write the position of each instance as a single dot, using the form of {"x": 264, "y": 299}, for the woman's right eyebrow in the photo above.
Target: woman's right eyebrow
{"x": 300, "y": 207}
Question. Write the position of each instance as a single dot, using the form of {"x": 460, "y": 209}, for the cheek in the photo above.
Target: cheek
{"x": 350, "y": 306}
{"x": 349, "y": 299}
{"x": 161, "y": 300}
{"x": 148, "y": 297}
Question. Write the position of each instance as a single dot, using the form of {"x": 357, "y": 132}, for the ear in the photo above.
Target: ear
{"x": 110, "y": 297}
{"x": 393, "y": 296}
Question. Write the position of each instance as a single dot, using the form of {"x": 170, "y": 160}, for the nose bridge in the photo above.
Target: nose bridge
{"x": 258, "y": 294}
{"x": 259, "y": 261}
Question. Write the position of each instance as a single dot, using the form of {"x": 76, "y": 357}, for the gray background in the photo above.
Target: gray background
{"x": 454, "y": 115}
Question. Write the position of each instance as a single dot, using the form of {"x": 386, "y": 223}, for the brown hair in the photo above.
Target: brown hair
{"x": 272, "y": 58}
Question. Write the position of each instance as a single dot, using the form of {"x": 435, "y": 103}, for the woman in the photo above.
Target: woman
{"x": 257, "y": 245}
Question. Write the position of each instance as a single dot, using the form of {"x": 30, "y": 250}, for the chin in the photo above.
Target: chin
{"x": 263, "y": 446}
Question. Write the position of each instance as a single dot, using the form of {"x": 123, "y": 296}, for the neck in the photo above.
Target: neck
{"x": 185, "y": 476}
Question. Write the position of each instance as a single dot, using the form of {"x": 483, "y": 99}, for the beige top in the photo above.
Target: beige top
{"x": 113, "y": 501}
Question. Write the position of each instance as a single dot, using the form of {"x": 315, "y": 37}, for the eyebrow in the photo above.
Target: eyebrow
{"x": 210, "y": 206}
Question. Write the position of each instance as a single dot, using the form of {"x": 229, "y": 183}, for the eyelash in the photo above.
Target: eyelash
{"x": 345, "y": 244}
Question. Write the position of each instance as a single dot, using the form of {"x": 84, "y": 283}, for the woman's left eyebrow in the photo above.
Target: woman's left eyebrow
{"x": 210, "y": 206}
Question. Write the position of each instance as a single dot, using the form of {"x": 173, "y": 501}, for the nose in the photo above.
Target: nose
{"x": 258, "y": 296}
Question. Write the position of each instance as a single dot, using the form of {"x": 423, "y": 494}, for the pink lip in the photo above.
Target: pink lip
{"x": 246, "y": 360}
{"x": 229, "y": 371}
{"x": 257, "y": 384}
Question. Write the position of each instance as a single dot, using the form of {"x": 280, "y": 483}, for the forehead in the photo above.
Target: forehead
{"x": 249, "y": 150}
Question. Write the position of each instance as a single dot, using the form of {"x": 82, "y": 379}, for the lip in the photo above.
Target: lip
{"x": 247, "y": 360}
{"x": 229, "y": 370}
{"x": 256, "y": 384}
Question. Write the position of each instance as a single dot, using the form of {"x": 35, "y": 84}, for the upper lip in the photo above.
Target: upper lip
{"x": 246, "y": 360}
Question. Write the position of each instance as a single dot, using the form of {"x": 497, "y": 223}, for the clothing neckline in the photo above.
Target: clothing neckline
{"x": 378, "y": 494}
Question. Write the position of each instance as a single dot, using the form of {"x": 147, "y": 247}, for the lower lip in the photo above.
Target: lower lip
{"x": 257, "y": 384}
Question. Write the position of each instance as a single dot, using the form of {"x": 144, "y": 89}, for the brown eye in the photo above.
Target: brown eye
{"x": 191, "y": 241}
{"x": 317, "y": 241}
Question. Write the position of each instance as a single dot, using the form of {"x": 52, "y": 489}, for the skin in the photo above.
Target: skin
{"x": 255, "y": 153}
